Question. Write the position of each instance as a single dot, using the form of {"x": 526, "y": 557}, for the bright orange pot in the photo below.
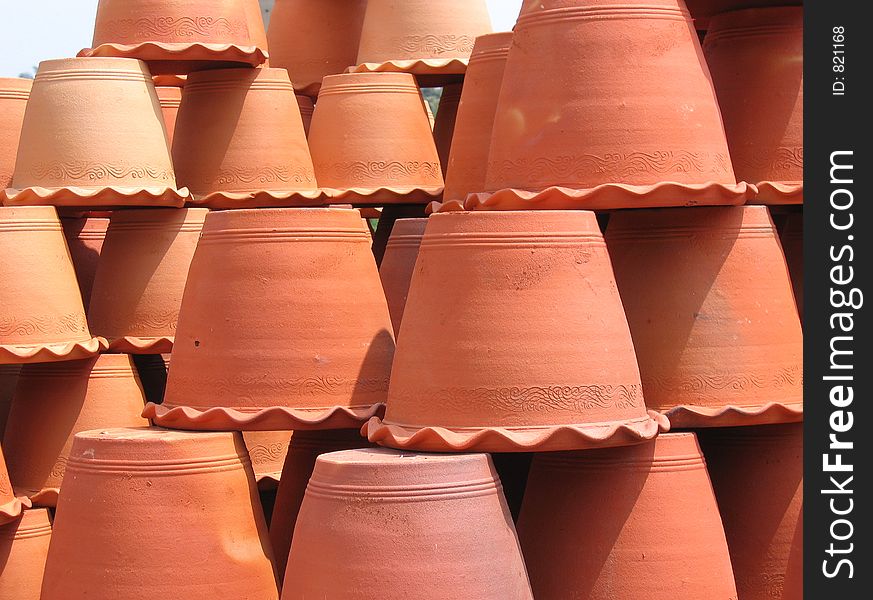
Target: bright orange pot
{"x": 267, "y": 451}
{"x": 24, "y": 545}
{"x": 702, "y": 11}
{"x": 398, "y": 264}
{"x": 14, "y": 93}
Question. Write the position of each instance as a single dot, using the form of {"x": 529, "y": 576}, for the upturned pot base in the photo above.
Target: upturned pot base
{"x": 690, "y": 416}
{"x": 103, "y": 197}
{"x": 41, "y": 353}
{"x": 174, "y": 58}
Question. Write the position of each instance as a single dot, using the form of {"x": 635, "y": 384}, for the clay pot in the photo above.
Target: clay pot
{"x": 85, "y": 236}
{"x": 513, "y": 469}
{"x": 483, "y": 280}
{"x": 11, "y": 506}
{"x": 314, "y": 39}
{"x": 791, "y": 237}
{"x": 709, "y": 303}
{"x": 283, "y": 325}
{"x": 41, "y": 314}
{"x": 170, "y": 98}
{"x": 757, "y": 474}
{"x": 240, "y": 140}
{"x": 703, "y": 10}
{"x": 181, "y": 36}
{"x": 627, "y": 118}
{"x": 24, "y": 545}
{"x": 307, "y": 107}
{"x": 349, "y": 532}
{"x": 398, "y": 264}
{"x": 756, "y": 57}
{"x": 371, "y": 142}
{"x": 635, "y": 522}
{"x": 444, "y": 122}
{"x": 304, "y": 448}
{"x": 430, "y": 39}
{"x": 8, "y": 381}
{"x": 267, "y": 451}
{"x": 141, "y": 276}
{"x": 152, "y": 370}
{"x": 471, "y": 141}
{"x": 93, "y": 136}
{"x": 150, "y": 513}
{"x": 13, "y": 98}
{"x": 52, "y": 403}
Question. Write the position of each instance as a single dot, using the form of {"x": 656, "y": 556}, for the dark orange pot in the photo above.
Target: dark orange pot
{"x": 791, "y": 237}
{"x": 24, "y": 545}
{"x": 10, "y": 505}
{"x": 444, "y": 123}
{"x": 170, "y": 97}
{"x": 398, "y": 264}
{"x": 85, "y": 237}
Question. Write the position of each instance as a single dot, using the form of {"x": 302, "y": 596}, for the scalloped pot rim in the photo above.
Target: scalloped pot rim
{"x": 195, "y": 51}
{"x": 421, "y": 66}
{"x": 734, "y": 416}
{"x": 52, "y": 352}
{"x": 109, "y": 196}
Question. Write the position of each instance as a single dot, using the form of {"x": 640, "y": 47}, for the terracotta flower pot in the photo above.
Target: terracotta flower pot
{"x": 267, "y": 451}
{"x": 141, "y": 276}
{"x": 11, "y": 506}
{"x": 471, "y": 141}
{"x": 314, "y": 39}
{"x": 371, "y": 143}
{"x": 349, "y": 533}
{"x": 85, "y": 236}
{"x": 150, "y": 513}
{"x": 13, "y": 99}
{"x": 304, "y": 448}
{"x": 307, "y": 107}
{"x": 8, "y": 381}
{"x": 757, "y": 474}
{"x": 93, "y": 136}
{"x": 52, "y": 403}
{"x": 240, "y": 140}
{"x": 756, "y": 57}
{"x": 703, "y": 10}
{"x": 635, "y": 522}
{"x": 709, "y": 303}
{"x": 398, "y": 264}
{"x": 562, "y": 377}
{"x": 283, "y": 325}
{"x": 626, "y": 118}
{"x": 180, "y": 36}
{"x": 169, "y": 97}
{"x": 791, "y": 237}
{"x": 41, "y": 314}
{"x": 24, "y": 545}
{"x": 430, "y": 39}
{"x": 444, "y": 122}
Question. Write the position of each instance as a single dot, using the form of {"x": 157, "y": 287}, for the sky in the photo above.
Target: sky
{"x": 41, "y": 29}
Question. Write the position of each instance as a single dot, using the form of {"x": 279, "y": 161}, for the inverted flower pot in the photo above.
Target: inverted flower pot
{"x": 267, "y": 451}
{"x": 398, "y": 264}
{"x": 371, "y": 142}
{"x": 307, "y": 107}
{"x": 169, "y": 97}
{"x": 240, "y": 142}
{"x": 357, "y": 515}
{"x": 11, "y": 506}
{"x": 444, "y": 123}
{"x": 757, "y": 474}
{"x": 314, "y": 39}
{"x": 24, "y": 545}
{"x": 702, "y": 11}
{"x": 432, "y": 40}
{"x": 85, "y": 237}
{"x": 141, "y": 277}
{"x": 283, "y": 325}
{"x": 627, "y": 118}
{"x": 536, "y": 289}
{"x": 149, "y": 513}
{"x": 8, "y": 381}
{"x": 41, "y": 314}
{"x": 756, "y": 58}
{"x": 13, "y": 99}
{"x": 635, "y": 522}
{"x": 709, "y": 303}
{"x": 181, "y": 36}
{"x": 93, "y": 136}
{"x": 791, "y": 237}
{"x": 52, "y": 403}
{"x": 471, "y": 141}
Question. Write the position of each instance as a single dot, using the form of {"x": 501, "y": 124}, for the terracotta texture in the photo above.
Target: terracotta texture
{"x": 52, "y": 403}
{"x": 709, "y": 303}
{"x": 141, "y": 277}
{"x": 24, "y": 545}
{"x": 307, "y": 107}
{"x": 169, "y": 97}
{"x": 703, "y": 10}
{"x": 240, "y": 140}
{"x": 314, "y": 39}
{"x": 562, "y": 378}
{"x": 11, "y": 506}
{"x": 267, "y": 451}
{"x": 85, "y": 236}
{"x": 756, "y": 58}
{"x": 304, "y": 448}
{"x": 444, "y": 122}
{"x": 365, "y": 508}
{"x": 180, "y": 36}
{"x": 634, "y": 522}
{"x": 93, "y": 135}
{"x": 627, "y": 118}
{"x": 13, "y": 99}
{"x": 471, "y": 141}
{"x": 791, "y": 237}
{"x": 398, "y": 264}
{"x": 41, "y": 314}
{"x": 283, "y": 325}
{"x": 150, "y": 513}
{"x": 757, "y": 474}
{"x": 8, "y": 381}
{"x": 371, "y": 142}
{"x": 422, "y": 37}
